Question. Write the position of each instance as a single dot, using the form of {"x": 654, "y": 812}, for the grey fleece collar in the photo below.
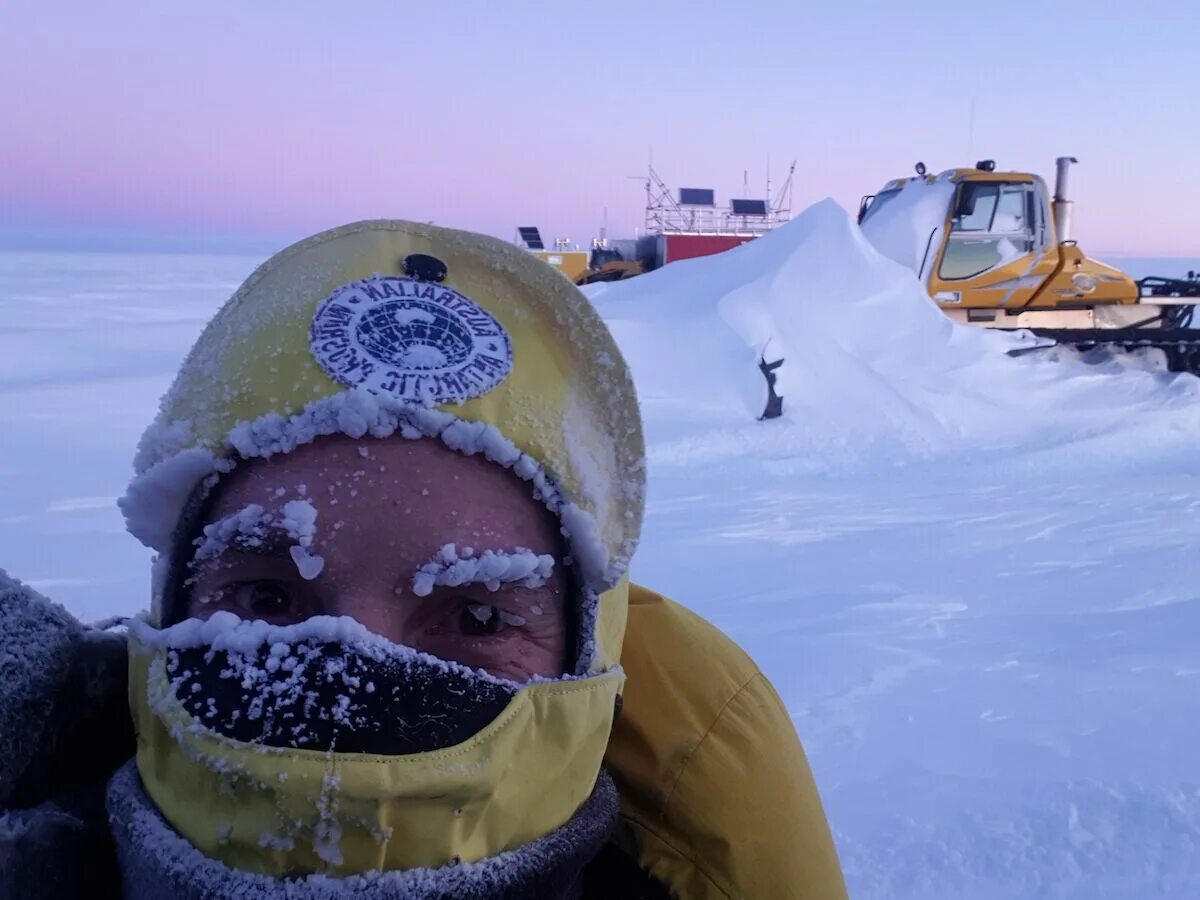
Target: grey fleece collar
{"x": 156, "y": 862}
{"x": 39, "y": 644}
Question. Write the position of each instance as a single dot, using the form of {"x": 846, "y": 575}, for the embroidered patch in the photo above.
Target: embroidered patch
{"x": 418, "y": 341}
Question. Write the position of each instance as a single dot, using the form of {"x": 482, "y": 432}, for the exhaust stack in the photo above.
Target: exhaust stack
{"x": 1062, "y": 203}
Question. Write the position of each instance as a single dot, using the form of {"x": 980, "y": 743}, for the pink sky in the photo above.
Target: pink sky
{"x": 278, "y": 119}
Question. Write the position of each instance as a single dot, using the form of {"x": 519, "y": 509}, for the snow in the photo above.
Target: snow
{"x": 971, "y": 578}
{"x": 873, "y": 372}
{"x": 249, "y": 526}
{"x": 907, "y": 228}
{"x": 154, "y": 500}
{"x": 300, "y": 520}
{"x": 247, "y": 523}
{"x": 308, "y": 565}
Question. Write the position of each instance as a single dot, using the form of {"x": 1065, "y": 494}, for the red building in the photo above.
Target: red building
{"x": 691, "y": 224}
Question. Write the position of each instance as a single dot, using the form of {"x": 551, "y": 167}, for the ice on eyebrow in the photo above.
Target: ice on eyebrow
{"x": 248, "y": 526}
{"x": 490, "y": 568}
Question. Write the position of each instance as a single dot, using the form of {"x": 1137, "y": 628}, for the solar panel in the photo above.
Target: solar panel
{"x": 697, "y": 197}
{"x": 748, "y": 207}
{"x": 531, "y": 236}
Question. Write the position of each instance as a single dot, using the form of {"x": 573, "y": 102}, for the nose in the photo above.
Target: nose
{"x": 379, "y": 610}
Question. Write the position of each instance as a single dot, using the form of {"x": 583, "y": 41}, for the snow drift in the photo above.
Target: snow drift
{"x": 869, "y": 359}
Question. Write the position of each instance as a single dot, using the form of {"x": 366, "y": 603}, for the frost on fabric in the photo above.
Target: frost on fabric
{"x": 588, "y": 551}
{"x": 288, "y": 688}
{"x": 491, "y": 568}
{"x": 280, "y": 842}
{"x": 356, "y": 413}
{"x": 359, "y": 413}
{"x": 328, "y": 838}
{"x": 155, "y": 499}
{"x": 162, "y": 440}
{"x": 225, "y": 631}
{"x": 155, "y": 854}
{"x": 160, "y": 573}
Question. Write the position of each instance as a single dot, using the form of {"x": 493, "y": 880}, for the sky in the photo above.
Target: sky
{"x": 227, "y": 125}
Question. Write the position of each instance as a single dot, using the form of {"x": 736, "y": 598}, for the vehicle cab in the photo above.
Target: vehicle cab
{"x": 991, "y": 252}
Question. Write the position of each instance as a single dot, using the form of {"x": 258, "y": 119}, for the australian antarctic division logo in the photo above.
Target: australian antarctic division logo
{"x": 415, "y": 340}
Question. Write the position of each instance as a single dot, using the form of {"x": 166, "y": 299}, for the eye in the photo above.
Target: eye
{"x": 482, "y": 618}
{"x": 262, "y": 599}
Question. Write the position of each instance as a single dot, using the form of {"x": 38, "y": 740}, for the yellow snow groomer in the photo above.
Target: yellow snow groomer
{"x": 995, "y": 249}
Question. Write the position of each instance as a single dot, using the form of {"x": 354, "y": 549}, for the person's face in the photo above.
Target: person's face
{"x": 384, "y": 510}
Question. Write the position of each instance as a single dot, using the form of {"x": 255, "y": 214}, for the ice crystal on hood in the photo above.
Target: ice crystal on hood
{"x": 327, "y": 837}
{"x": 162, "y": 440}
{"x": 155, "y": 500}
{"x": 492, "y": 568}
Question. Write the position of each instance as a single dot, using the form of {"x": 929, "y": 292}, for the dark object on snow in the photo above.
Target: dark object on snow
{"x": 424, "y": 267}
{"x": 774, "y": 402}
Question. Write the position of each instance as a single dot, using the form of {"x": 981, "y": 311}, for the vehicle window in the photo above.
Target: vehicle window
{"x": 989, "y": 229}
{"x": 879, "y": 202}
{"x": 1012, "y": 213}
{"x": 979, "y": 216}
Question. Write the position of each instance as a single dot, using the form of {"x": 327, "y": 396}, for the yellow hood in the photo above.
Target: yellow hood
{"x": 507, "y": 359}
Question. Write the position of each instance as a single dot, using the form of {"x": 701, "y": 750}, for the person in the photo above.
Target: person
{"x": 393, "y": 649}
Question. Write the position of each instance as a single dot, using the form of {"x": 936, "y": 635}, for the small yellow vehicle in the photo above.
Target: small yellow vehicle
{"x": 994, "y": 249}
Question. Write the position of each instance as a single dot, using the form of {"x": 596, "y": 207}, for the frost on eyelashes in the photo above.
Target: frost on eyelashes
{"x": 491, "y": 568}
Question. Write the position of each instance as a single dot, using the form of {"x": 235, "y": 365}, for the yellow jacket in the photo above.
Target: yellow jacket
{"x": 717, "y": 799}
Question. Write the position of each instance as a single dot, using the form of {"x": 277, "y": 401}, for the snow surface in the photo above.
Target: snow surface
{"x": 972, "y": 578}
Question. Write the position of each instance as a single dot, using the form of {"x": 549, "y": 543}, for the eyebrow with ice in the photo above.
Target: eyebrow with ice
{"x": 491, "y": 568}
{"x": 253, "y": 529}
